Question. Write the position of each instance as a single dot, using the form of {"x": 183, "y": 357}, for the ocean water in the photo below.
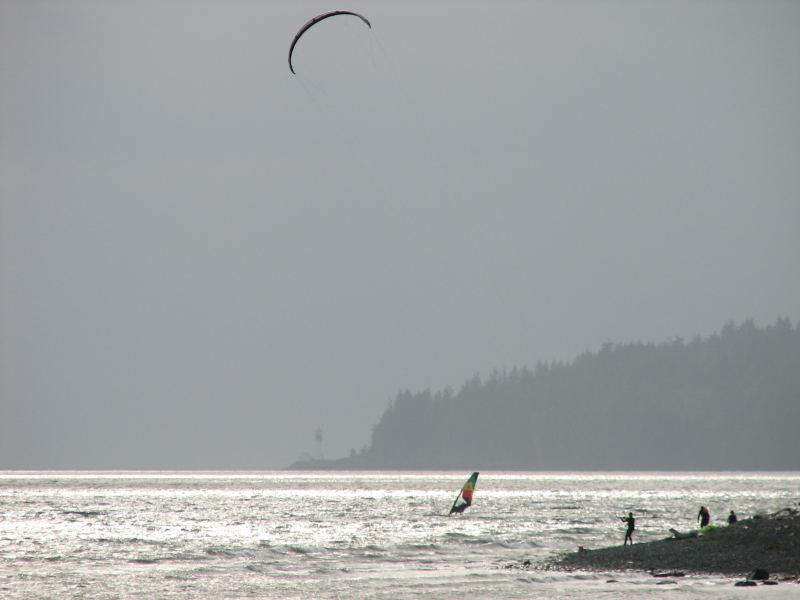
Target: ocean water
{"x": 354, "y": 535}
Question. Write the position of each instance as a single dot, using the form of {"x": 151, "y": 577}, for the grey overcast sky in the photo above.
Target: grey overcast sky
{"x": 203, "y": 258}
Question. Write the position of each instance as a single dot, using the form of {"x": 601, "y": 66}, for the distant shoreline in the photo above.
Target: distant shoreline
{"x": 320, "y": 464}
{"x": 360, "y": 464}
{"x": 771, "y": 543}
{"x": 682, "y": 405}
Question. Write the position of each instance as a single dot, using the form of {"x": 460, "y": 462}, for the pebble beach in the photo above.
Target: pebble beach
{"x": 770, "y": 543}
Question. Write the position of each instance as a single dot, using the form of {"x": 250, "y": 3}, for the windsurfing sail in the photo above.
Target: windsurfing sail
{"x": 464, "y": 498}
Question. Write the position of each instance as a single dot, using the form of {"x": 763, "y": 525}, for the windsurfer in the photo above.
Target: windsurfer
{"x": 464, "y": 498}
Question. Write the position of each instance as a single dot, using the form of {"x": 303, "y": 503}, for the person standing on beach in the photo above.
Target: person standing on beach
{"x": 631, "y": 526}
{"x": 703, "y": 517}
{"x": 732, "y": 518}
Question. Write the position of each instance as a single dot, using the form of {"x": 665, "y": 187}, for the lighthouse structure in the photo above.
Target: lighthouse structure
{"x": 318, "y": 444}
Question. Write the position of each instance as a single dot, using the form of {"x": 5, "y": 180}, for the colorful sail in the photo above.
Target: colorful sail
{"x": 464, "y": 498}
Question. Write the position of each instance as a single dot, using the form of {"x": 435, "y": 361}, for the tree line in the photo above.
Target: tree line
{"x": 728, "y": 401}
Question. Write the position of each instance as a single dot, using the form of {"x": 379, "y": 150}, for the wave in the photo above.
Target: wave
{"x": 374, "y": 548}
{"x": 131, "y": 540}
{"x": 574, "y": 529}
{"x": 187, "y": 574}
{"x": 83, "y": 513}
{"x": 178, "y": 557}
{"x": 145, "y": 561}
{"x": 257, "y": 567}
{"x": 421, "y": 546}
{"x": 222, "y": 551}
{"x": 470, "y": 539}
{"x": 285, "y": 549}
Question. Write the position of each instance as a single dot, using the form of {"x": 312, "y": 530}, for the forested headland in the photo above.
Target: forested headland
{"x": 728, "y": 401}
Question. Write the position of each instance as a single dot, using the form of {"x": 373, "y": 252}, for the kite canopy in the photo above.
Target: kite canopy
{"x": 316, "y": 20}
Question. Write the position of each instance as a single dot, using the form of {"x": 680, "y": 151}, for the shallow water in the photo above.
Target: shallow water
{"x": 353, "y": 534}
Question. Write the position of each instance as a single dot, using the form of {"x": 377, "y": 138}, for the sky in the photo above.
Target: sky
{"x": 204, "y": 258}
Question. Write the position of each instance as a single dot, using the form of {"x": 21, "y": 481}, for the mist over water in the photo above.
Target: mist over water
{"x": 360, "y": 534}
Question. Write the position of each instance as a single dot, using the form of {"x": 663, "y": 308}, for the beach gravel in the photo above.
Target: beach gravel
{"x": 771, "y": 542}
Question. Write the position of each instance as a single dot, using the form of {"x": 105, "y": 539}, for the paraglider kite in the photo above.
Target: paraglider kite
{"x": 316, "y": 20}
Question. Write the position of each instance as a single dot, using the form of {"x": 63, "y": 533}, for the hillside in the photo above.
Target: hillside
{"x": 729, "y": 401}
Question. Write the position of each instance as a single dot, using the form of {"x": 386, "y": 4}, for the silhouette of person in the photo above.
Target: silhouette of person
{"x": 631, "y": 526}
{"x": 732, "y": 518}
{"x": 703, "y": 517}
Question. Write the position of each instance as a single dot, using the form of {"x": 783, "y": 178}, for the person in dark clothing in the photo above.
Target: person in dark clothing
{"x": 631, "y": 526}
{"x": 732, "y": 518}
{"x": 703, "y": 517}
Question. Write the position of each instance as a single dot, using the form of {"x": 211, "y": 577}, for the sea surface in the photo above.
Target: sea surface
{"x": 285, "y": 534}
